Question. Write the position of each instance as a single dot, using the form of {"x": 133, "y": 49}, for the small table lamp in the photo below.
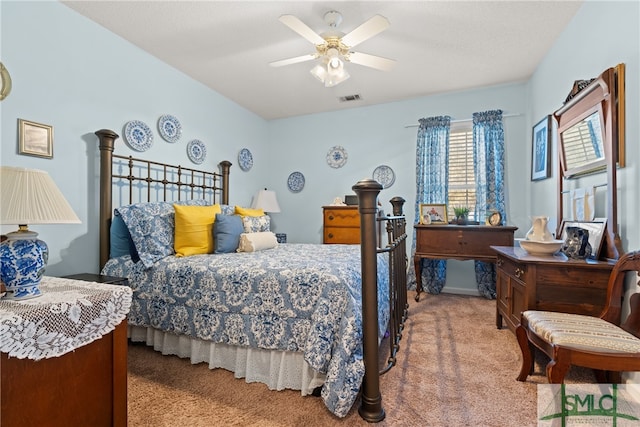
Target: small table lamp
{"x": 267, "y": 201}
{"x": 28, "y": 196}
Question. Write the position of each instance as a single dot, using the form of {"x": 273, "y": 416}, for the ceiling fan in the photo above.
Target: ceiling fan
{"x": 333, "y": 47}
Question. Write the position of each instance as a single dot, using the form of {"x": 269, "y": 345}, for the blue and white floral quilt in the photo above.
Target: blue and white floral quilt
{"x": 296, "y": 297}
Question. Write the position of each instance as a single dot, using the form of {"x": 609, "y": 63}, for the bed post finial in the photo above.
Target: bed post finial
{"x": 371, "y": 402}
{"x": 107, "y": 139}
{"x": 225, "y": 166}
{"x": 397, "y": 203}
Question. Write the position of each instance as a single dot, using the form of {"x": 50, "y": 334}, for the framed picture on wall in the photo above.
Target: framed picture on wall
{"x": 540, "y": 150}
{"x": 433, "y": 213}
{"x": 35, "y": 139}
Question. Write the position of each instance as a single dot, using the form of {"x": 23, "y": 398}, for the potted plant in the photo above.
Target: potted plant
{"x": 461, "y": 214}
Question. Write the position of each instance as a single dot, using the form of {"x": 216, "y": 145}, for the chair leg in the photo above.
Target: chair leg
{"x": 558, "y": 367}
{"x": 608, "y": 377}
{"x": 601, "y": 376}
{"x": 527, "y": 353}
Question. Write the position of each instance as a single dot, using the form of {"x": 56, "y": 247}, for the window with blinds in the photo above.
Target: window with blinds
{"x": 462, "y": 185}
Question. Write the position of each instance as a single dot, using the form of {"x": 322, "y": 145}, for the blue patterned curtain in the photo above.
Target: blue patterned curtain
{"x": 595, "y": 140}
{"x": 432, "y": 180}
{"x": 488, "y": 164}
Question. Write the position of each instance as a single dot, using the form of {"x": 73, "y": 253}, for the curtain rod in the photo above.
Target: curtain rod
{"x": 467, "y": 120}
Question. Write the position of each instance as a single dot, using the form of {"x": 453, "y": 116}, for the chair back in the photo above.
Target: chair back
{"x": 629, "y": 262}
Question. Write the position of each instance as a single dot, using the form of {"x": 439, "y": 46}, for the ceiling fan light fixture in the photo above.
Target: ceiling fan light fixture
{"x": 334, "y": 64}
{"x": 319, "y": 72}
{"x": 333, "y": 47}
{"x": 336, "y": 77}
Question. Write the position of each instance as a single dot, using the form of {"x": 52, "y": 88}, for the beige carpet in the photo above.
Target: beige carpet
{"x": 454, "y": 369}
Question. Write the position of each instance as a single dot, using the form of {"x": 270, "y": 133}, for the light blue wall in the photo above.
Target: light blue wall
{"x": 379, "y": 135}
{"x": 73, "y": 74}
{"x": 76, "y": 76}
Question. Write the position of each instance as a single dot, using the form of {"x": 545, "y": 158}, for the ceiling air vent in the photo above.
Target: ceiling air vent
{"x": 349, "y": 98}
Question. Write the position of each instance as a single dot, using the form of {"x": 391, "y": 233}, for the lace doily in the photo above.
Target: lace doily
{"x": 69, "y": 314}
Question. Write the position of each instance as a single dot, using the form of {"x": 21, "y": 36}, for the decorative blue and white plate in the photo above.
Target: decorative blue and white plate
{"x": 138, "y": 135}
{"x": 245, "y": 159}
{"x": 337, "y": 157}
{"x": 384, "y": 175}
{"x": 295, "y": 182}
{"x": 196, "y": 151}
{"x": 170, "y": 128}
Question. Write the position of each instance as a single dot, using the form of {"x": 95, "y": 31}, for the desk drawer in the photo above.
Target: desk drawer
{"x": 511, "y": 268}
{"x": 342, "y": 235}
{"x": 342, "y": 217}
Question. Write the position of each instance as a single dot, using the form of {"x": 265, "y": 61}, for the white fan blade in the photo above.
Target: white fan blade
{"x": 301, "y": 28}
{"x": 377, "y": 62}
{"x": 366, "y": 30}
{"x": 293, "y": 60}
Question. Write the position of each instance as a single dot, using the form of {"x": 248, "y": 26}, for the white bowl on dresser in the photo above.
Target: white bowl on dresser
{"x": 540, "y": 247}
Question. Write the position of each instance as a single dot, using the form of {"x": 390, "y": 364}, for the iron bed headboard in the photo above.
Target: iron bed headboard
{"x": 160, "y": 180}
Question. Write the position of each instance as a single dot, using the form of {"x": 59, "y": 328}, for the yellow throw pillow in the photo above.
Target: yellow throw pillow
{"x": 194, "y": 229}
{"x": 248, "y": 211}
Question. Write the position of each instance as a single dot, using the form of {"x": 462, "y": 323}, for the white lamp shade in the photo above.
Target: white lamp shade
{"x": 266, "y": 200}
{"x": 29, "y": 196}
{"x": 319, "y": 72}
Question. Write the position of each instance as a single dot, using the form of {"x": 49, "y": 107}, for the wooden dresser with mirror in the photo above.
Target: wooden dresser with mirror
{"x": 555, "y": 282}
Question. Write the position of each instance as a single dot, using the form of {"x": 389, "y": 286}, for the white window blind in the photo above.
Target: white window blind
{"x": 462, "y": 186}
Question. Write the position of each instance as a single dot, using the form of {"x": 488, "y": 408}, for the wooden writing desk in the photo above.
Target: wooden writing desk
{"x": 462, "y": 242}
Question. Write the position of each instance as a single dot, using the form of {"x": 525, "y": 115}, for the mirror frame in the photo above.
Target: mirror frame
{"x": 606, "y": 94}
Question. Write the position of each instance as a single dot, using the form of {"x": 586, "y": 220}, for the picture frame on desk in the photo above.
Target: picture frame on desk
{"x": 596, "y": 229}
{"x": 433, "y": 213}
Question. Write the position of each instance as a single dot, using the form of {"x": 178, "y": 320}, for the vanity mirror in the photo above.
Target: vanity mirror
{"x": 591, "y": 139}
{"x": 582, "y": 144}
{"x": 582, "y": 137}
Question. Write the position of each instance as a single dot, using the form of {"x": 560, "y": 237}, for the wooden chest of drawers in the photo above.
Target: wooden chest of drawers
{"x": 341, "y": 224}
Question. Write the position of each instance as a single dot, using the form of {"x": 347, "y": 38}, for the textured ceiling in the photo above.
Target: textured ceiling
{"x": 439, "y": 46}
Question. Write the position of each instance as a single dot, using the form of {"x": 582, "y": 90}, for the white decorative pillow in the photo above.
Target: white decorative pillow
{"x": 252, "y": 242}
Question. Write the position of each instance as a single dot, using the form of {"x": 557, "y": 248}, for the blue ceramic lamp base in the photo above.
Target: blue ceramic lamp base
{"x": 22, "y": 263}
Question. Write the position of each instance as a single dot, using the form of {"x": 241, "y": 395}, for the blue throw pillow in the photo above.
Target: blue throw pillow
{"x": 226, "y": 233}
{"x": 120, "y": 239}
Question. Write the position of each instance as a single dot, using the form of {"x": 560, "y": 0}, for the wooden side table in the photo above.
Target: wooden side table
{"x": 83, "y": 387}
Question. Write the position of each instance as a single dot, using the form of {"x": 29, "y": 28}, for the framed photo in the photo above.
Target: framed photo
{"x": 35, "y": 139}
{"x": 433, "y": 213}
{"x": 596, "y": 230}
{"x": 540, "y": 150}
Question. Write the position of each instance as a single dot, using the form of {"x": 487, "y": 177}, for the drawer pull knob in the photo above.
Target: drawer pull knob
{"x": 519, "y": 273}
{"x": 500, "y": 262}
{"x": 330, "y": 217}
{"x": 330, "y": 235}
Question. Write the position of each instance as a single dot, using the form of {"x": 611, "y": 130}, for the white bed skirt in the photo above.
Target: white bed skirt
{"x": 277, "y": 369}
